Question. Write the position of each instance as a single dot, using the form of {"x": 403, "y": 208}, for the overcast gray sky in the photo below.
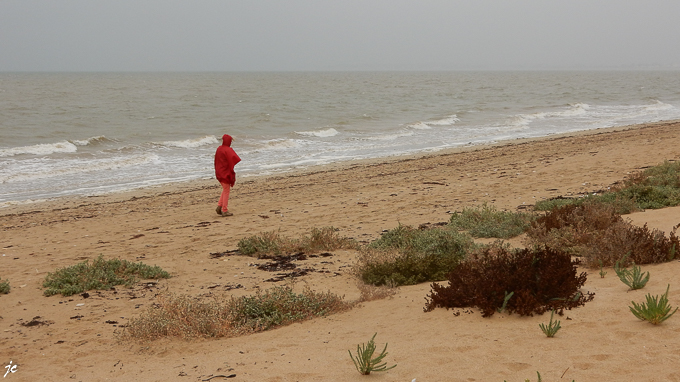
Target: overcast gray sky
{"x": 301, "y": 35}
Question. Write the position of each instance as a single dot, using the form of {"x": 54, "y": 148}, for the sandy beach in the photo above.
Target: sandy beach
{"x": 74, "y": 338}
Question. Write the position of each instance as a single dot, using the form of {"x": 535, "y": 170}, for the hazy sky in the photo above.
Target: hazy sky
{"x": 284, "y": 35}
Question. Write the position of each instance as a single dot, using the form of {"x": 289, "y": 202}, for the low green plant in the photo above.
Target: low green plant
{"x": 4, "y": 286}
{"x": 486, "y": 221}
{"x": 99, "y": 275}
{"x": 364, "y": 361}
{"x": 280, "y": 306}
{"x": 655, "y": 310}
{"x": 551, "y": 329}
{"x": 326, "y": 239}
{"x": 602, "y": 271}
{"x": 505, "y": 302}
{"x": 407, "y": 256}
{"x": 634, "y": 278}
{"x": 266, "y": 243}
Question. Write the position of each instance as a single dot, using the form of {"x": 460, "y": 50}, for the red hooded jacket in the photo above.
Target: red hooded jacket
{"x": 225, "y": 160}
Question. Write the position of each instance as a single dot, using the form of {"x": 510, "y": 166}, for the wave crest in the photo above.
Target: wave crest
{"x": 40, "y": 149}
{"x": 192, "y": 142}
{"x": 329, "y": 132}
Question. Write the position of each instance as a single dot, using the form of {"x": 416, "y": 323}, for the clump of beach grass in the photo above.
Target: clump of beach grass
{"x": 4, "y": 286}
{"x": 272, "y": 243}
{"x": 189, "y": 317}
{"x": 488, "y": 222}
{"x": 364, "y": 361}
{"x": 99, "y": 275}
{"x": 655, "y": 310}
{"x": 552, "y": 328}
{"x": 634, "y": 278}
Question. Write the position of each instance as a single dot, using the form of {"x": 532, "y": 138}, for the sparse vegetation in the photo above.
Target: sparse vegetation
{"x": 407, "y": 256}
{"x": 271, "y": 243}
{"x": 364, "y": 361}
{"x": 266, "y": 243}
{"x": 99, "y": 275}
{"x": 655, "y": 310}
{"x": 187, "y": 317}
{"x": 487, "y": 221}
{"x": 602, "y": 271}
{"x": 4, "y": 286}
{"x": 541, "y": 279}
{"x": 539, "y": 378}
{"x": 655, "y": 187}
{"x": 551, "y": 329}
{"x": 372, "y": 292}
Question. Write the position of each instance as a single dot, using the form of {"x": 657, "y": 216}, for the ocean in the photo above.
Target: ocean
{"x": 65, "y": 134}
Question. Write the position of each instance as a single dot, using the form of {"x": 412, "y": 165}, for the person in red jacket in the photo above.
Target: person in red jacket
{"x": 225, "y": 160}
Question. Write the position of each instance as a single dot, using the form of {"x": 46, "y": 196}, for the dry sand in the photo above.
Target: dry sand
{"x": 176, "y": 228}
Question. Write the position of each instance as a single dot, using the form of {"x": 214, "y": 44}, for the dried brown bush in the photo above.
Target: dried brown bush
{"x": 643, "y": 246}
{"x": 540, "y": 280}
{"x": 597, "y": 233}
{"x": 372, "y": 292}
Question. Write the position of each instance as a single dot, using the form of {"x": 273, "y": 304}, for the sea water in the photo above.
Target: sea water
{"x": 92, "y": 133}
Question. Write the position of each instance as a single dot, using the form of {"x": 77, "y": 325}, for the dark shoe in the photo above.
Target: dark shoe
{"x": 219, "y": 210}
{"x": 227, "y": 213}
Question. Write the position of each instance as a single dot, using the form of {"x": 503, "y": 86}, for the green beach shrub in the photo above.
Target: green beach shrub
{"x": 99, "y": 275}
{"x": 407, "y": 256}
{"x": 4, "y": 286}
{"x": 488, "y": 222}
{"x": 266, "y": 243}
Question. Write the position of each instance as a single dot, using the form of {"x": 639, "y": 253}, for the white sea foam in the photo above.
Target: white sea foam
{"x": 448, "y": 121}
{"x": 522, "y": 121}
{"x": 324, "y": 133}
{"x": 40, "y": 149}
{"x": 192, "y": 143}
{"x": 42, "y": 170}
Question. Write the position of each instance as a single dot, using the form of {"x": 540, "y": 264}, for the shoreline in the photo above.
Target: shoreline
{"x": 201, "y": 184}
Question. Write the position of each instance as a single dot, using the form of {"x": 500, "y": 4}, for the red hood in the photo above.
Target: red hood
{"x": 226, "y": 140}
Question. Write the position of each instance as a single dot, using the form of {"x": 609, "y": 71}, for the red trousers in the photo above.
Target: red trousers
{"x": 224, "y": 198}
